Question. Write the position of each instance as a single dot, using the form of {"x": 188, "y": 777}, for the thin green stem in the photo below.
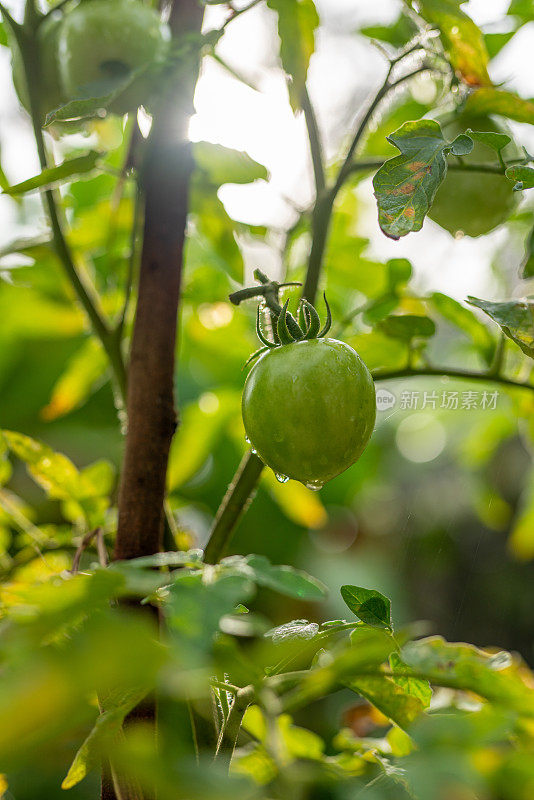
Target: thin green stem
{"x": 314, "y": 137}
{"x": 234, "y": 504}
{"x": 238, "y": 11}
{"x": 232, "y": 726}
{"x": 85, "y": 293}
{"x": 446, "y": 372}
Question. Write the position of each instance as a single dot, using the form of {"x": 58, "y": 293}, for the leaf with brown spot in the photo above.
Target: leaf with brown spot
{"x": 405, "y": 186}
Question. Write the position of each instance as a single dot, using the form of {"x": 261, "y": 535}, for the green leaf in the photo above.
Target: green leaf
{"x": 56, "y": 175}
{"x": 369, "y": 605}
{"x": 465, "y": 320}
{"x": 190, "y": 558}
{"x": 522, "y": 177}
{"x": 286, "y": 580}
{"x": 407, "y": 327}
{"x": 3, "y": 36}
{"x": 54, "y": 472}
{"x": 405, "y": 186}
{"x": 493, "y": 676}
{"x": 223, "y": 165}
{"x": 462, "y": 39}
{"x": 297, "y": 22}
{"x": 516, "y": 319}
{"x": 499, "y": 101}
{"x": 497, "y": 141}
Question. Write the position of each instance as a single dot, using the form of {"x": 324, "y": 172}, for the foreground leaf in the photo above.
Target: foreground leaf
{"x": 405, "y": 186}
{"x": 281, "y": 578}
{"x": 516, "y": 319}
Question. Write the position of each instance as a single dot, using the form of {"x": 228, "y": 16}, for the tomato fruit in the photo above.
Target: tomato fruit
{"x": 475, "y": 202}
{"x": 309, "y": 409}
{"x": 51, "y": 90}
{"x": 103, "y": 41}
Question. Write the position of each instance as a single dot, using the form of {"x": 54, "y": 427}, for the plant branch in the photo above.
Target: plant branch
{"x": 164, "y": 182}
{"x": 233, "y": 506}
{"x": 9, "y": 19}
{"x": 230, "y": 730}
{"x": 445, "y": 372}
{"x": 238, "y": 11}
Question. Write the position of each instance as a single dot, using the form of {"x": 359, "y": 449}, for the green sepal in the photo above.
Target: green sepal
{"x": 281, "y": 327}
{"x": 314, "y": 324}
{"x": 263, "y": 339}
{"x": 328, "y": 323}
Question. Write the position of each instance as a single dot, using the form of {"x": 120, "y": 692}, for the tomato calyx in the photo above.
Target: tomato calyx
{"x": 288, "y": 330}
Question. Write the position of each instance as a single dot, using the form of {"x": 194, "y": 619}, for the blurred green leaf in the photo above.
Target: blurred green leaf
{"x": 521, "y": 538}
{"x": 55, "y": 175}
{"x": 462, "y": 39}
{"x": 397, "y": 34}
{"x": 407, "y": 327}
{"x": 369, "y": 605}
{"x": 281, "y": 578}
{"x": 501, "y": 102}
{"x": 297, "y": 22}
{"x": 493, "y": 676}
{"x": 465, "y": 320}
{"x": 81, "y": 376}
{"x": 224, "y": 165}
{"x": 516, "y": 319}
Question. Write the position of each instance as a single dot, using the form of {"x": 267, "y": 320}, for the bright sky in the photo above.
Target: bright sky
{"x": 344, "y": 72}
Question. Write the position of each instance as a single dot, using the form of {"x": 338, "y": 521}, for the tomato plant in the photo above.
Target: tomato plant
{"x": 174, "y": 621}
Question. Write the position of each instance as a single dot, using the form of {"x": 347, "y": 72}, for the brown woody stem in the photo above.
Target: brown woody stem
{"x": 164, "y": 183}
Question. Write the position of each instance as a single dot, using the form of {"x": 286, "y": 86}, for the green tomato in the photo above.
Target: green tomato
{"x": 51, "y": 90}
{"x": 103, "y": 41}
{"x": 309, "y": 409}
{"x": 475, "y": 202}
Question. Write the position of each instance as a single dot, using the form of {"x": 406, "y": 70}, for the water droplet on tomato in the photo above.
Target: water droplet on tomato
{"x": 315, "y": 486}
{"x": 281, "y": 478}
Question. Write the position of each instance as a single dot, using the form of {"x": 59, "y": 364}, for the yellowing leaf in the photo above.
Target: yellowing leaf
{"x": 298, "y": 503}
{"x": 83, "y": 371}
{"x": 461, "y": 38}
{"x": 499, "y": 101}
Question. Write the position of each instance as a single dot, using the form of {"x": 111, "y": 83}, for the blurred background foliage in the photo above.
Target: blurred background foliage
{"x": 438, "y": 514}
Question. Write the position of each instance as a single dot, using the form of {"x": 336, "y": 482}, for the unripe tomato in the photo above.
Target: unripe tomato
{"x": 309, "y": 409}
{"x": 50, "y": 89}
{"x": 106, "y": 40}
{"x": 475, "y": 202}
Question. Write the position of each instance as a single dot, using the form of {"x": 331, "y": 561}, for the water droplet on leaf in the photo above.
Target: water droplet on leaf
{"x": 315, "y": 486}
{"x": 281, "y": 478}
